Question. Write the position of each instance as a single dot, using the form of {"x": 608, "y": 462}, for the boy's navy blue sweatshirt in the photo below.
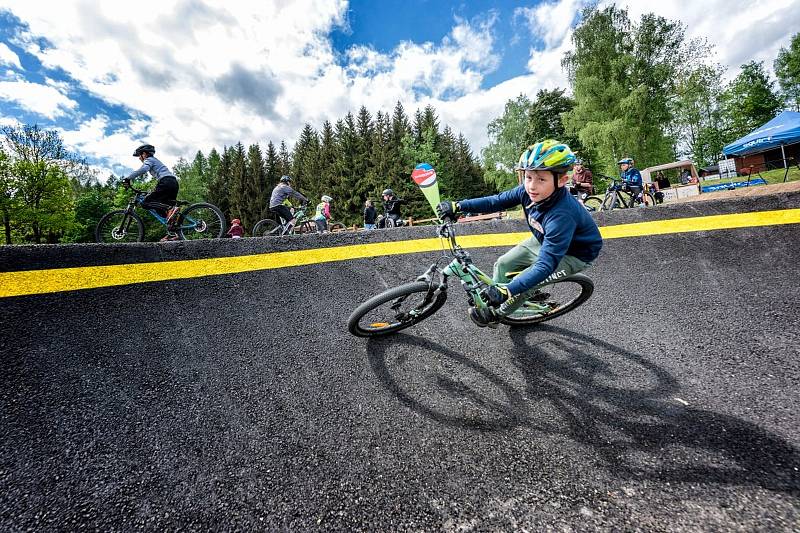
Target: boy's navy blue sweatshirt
{"x": 560, "y": 223}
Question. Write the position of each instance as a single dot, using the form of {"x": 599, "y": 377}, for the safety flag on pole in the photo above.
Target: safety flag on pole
{"x": 425, "y": 177}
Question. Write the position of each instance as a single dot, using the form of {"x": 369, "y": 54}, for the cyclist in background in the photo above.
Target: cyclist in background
{"x": 283, "y": 191}
{"x": 391, "y": 209}
{"x": 581, "y": 181}
{"x": 162, "y": 198}
{"x": 323, "y": 214}
{"x": 631, "y": 177}
{"x": 565, "y": 238}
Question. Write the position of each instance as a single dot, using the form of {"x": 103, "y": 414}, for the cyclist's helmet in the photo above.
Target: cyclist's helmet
{"x": 388, "y": 192}
{"x": 625, "y": 161}
{"x": 236, "y": 221}
{"x": 547, "y": 155}
{"x": 286, "y": 179}
{"x": 326, "y": 198}
{"x": 145, "y": 148}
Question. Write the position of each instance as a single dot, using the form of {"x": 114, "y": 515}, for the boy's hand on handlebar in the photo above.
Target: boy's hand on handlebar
{"x": 495, "y": 295}
{"x": 126, "y": 182}
{"x": 447, "y": 210}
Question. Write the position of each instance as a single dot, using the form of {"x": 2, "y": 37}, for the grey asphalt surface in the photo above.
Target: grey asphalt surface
{"x": 668, "y": 402}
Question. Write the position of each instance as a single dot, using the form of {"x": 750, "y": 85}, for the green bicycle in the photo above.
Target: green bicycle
{"x": 403, "y": 306}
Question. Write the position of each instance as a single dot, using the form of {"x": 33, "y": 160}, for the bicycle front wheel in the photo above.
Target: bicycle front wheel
{"x": 593, "y": 203}
{"x": 395, "y": 309}
{"x": 267, "y": 228}
{"x": 555, "y": 299}
{"x": 201, "y": 221}
{"x": 119, "y": 226}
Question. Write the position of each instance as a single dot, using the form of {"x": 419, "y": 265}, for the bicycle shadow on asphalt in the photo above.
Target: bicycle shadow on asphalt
{"x": 570, "y": 384}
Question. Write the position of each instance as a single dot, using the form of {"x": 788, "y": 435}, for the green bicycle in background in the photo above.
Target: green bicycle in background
{"x": 403, "y": 306}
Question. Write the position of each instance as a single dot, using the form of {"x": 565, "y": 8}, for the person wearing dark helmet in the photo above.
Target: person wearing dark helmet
{"x": 162, "y": 198}
{"x": 283, "y": 191}
{"x": 391, "y": 209}
{"x": 631, "y": 177}
{"x": 565, "y": 238}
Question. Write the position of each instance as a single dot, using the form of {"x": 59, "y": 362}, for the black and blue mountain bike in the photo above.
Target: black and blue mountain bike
{"x": 197, "y": 221}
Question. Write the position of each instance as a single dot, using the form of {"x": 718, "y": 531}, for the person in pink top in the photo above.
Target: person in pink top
{"x": 236, "y": 231}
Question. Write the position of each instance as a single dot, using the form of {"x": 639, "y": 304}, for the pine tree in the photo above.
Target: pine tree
{"x": 239, "y": 190}
{"x": 219, "y": 188}
{"x": 255, "y": 198}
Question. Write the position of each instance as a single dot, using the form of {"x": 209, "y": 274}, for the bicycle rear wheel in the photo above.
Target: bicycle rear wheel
{"x": 555, "y": 299}
{"x": 267, "y": 228}
{"x": 336, "y": 226}
{"x": 648, "y": 199}
{"x": 395, "y": 309}
{"x": 201, "y": 221}
{"x": 593, "y": 203}
{"x": 119, "y": 226}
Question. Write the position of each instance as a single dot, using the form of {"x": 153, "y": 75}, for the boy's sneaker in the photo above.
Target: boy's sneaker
{"x": 484, "y": 317}
{"x": 169, "y": 237}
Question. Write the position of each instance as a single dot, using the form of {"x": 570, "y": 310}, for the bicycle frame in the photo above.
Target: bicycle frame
{"x": 138, "y": 199}
{"x": 473, "y": 280}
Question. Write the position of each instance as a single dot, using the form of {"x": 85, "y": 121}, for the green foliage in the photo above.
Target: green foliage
{"x": 749, "y": 101}
{"x": 698, "y": 116}
{"x": 624, "y": 76}
{"x": 89, "y": 208}
{"x": 787, "y": 69}
{"x": 525, "y": 122}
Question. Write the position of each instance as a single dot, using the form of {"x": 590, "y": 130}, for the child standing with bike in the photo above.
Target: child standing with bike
{"x": 162, "y": 198}
{"x": 565, "y": 238}
{"x": 323, "y": 214}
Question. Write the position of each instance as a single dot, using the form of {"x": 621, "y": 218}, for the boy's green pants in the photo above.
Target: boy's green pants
{"x": 522, "y": 257}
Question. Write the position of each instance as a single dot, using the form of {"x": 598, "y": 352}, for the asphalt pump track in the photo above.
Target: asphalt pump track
{"x": 154, "y": 391}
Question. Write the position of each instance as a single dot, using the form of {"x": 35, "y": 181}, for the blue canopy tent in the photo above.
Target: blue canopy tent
{"x": 778, "y": 132}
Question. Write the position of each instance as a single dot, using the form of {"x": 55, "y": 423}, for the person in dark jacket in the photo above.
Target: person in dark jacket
{"x": 565, "y": 238}
{"x": 369, "y": 215}
{"x": 391, "y": 209}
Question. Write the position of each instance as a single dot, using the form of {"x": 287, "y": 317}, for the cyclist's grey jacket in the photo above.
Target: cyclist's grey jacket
{"x": 560, "y": 223}
{"x": 281, "y": 192}
{"x": 156, "y": 168}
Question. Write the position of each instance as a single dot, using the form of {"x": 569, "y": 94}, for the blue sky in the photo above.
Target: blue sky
{"x": 202, "y": 74}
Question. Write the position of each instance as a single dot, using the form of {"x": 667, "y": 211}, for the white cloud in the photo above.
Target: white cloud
{"x": 551, "y": 21}
{"x": 741, "y": 30}
{"x": 42, "y": 99}
{"x": 8, "y": 57}
{"x": 212, "y": 74}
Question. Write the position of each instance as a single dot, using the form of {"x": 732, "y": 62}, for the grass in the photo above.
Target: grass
{"x": 776, "y": 176}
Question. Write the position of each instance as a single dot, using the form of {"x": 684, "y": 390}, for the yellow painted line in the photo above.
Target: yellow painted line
{"x": 91, "y": 277}
{"x": 706, "y": 223}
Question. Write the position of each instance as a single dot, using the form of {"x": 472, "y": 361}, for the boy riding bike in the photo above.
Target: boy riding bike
{"x": 281, "y": 192}
{"x": 565, "y": 238}
{"x": 162, "y": 198}
{"x": 631, "y": 177}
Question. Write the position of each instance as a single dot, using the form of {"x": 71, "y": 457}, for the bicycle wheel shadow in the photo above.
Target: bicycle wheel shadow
{"x": 642, "y": 430}
{"x": 475, "y": 398}
{"x": 565, "y": 383}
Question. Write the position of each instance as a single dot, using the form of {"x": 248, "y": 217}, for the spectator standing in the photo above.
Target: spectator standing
{"x": 369, "y": 215}
{"x": 236, "y": 231}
